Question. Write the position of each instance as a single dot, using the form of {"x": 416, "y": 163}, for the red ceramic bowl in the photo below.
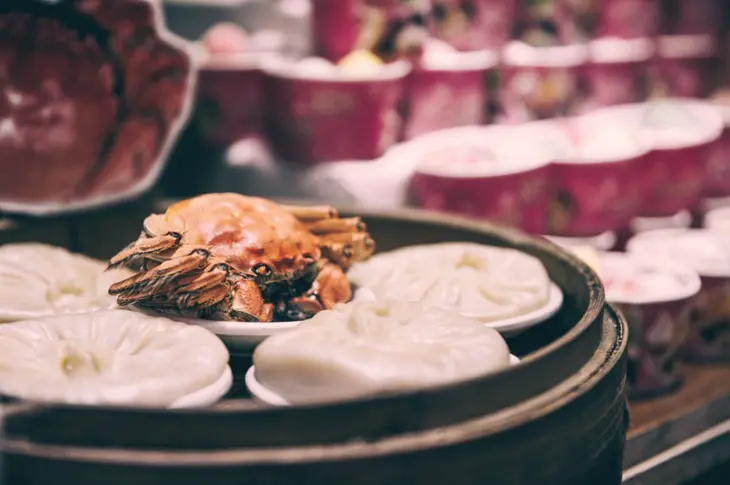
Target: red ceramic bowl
{"x": 316, "y": 118}
{"x": 446, "y": 92}
{"x": 656, "y": 297}
{"x": 706, "y": 252}
{"x": 686, "y": 66}
{"x": 627, "y": 19}
{"x": 480, "y": 172}
{"x": 475, "y": 25}
{"x": 230, "y": 98}
{"x": 92, "y": 118}
{"x": 682, "y": 134}
{"x": 693, "y": 17}
{"x": 386, "y": 27}
{"x": 617, "y": 72}
{"x": 718, "y": 182}
{"x": 539, "y": 83}
{"x": 567, "y": 21}
{"x": 594, "y": 175}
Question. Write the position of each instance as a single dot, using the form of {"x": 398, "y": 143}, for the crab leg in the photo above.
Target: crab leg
{"x": 311, "y": 213}
{"x": 205, "y": 299}
{"x": 158, "y": 276}
{"x": 346, "y": 248}
{"x": 196, "y": 283}
{"x": 144, "y": 246}
{"x": 248, "y": 304}
{"x": 328, "y": 226}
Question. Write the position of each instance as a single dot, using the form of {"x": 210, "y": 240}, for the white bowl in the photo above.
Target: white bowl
{"x": 241, "y": 338}
{"x": 516, "y": 325}
{"x": 208, "y": 395}
{"x": 266, "y": 396}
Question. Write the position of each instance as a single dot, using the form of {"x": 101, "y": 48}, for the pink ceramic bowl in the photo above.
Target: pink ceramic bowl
{"x": 593, "y": 176}
{"x": 627, "y": 19}
{"x": 480, "y": 172}
{"x": 230, "y": 98}
{"x": 474, "y": 25}
{"x": 681, "y": 134}
{"x": 539, "y": 83}
{"x": 569, "y": 21}
{"x": 686, "y": 66}
{"x": 617, "y": 72}
{"x": 92, "y": 116}
{"x": 706, "y": 253}
{"x": 718, "y": 171}
{"x": 692, "y": 17}
{"x": 391, "y": 28}
{"x": 324, "y": 117}
{"x": 656, "y": 297}
{"x": 447, "y": 90}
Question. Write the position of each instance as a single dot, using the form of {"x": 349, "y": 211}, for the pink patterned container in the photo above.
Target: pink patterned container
{"x": 618, "y": 72}
{"x": 390, "y": 28}
{"x": 593, "y": 175}
{"x": 718, "y": 183}
{"x": 686, "y": 66}
{"x": 628, "y": 19}
{"x": 692, "y": 17}
{"x": 330, "y": 116}
{"x": 656, "y": 298}
{"x": 706, "y": 252}
{"x": 682, "y": 134}
{"x": 539, "y": 83}
{"x": 552, "y": 22}
{"x": 473, "y": 25}
{"x": 230, "y": 98}
{"x": 480, "y": 172}
{"x": 447, "y": 91}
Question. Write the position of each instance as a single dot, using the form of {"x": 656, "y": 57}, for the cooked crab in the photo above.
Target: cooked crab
{"x": 242, "y": 258}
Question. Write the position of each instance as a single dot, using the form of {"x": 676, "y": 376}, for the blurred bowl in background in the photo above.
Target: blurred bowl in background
{"x": 706, "y": 253}
{"x": 692, "y": 17}
{"x": 447, "y": 90}
{"x": 617, "y": 72}
{"x": 681, "y": 134}
{"x": 628, "y": 19}
{"x": 475, "y": 25}
{"x": 539, "y": 83}
{"x": 718, "y": 220}
{"x": 595, "y": 177}
{"x": 718, "y": 171}
{"x": 324, "y": 116}
{"x": 686, "y": 66}
{"x": 230, "y": 101}
{"x": 656, "y": 297}
{"x": 481, "y": 172}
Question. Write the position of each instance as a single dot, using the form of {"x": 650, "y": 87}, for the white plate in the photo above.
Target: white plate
{"x": 206, "y": 396}
{"x": 266, "y": 396}
{"x": 515, "y": 325}
{"x": 242, "y": 337}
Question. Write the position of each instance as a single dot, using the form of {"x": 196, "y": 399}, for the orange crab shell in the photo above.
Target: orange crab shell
{"x": 245, "y": 231}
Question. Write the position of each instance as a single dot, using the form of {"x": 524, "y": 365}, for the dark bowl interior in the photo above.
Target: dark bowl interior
{"x": 552, "y": 352}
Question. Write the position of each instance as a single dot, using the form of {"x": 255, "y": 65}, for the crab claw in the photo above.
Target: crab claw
{"x": 248, "y": 305}
{"x": 328, "y": 289}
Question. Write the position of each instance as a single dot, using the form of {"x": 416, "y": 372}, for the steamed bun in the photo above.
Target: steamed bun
{"x": 365, "y": 348}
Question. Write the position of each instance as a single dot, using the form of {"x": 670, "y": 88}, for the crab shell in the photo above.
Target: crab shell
{"x": 266, "y": 255}
{"x": 248, "y": 232}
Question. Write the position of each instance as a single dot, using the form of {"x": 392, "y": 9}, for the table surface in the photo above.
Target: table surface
{"x": 675, "y": 438}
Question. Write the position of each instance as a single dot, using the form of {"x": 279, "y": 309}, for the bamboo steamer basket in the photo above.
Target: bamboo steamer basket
{"x": 559, "y": 417}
